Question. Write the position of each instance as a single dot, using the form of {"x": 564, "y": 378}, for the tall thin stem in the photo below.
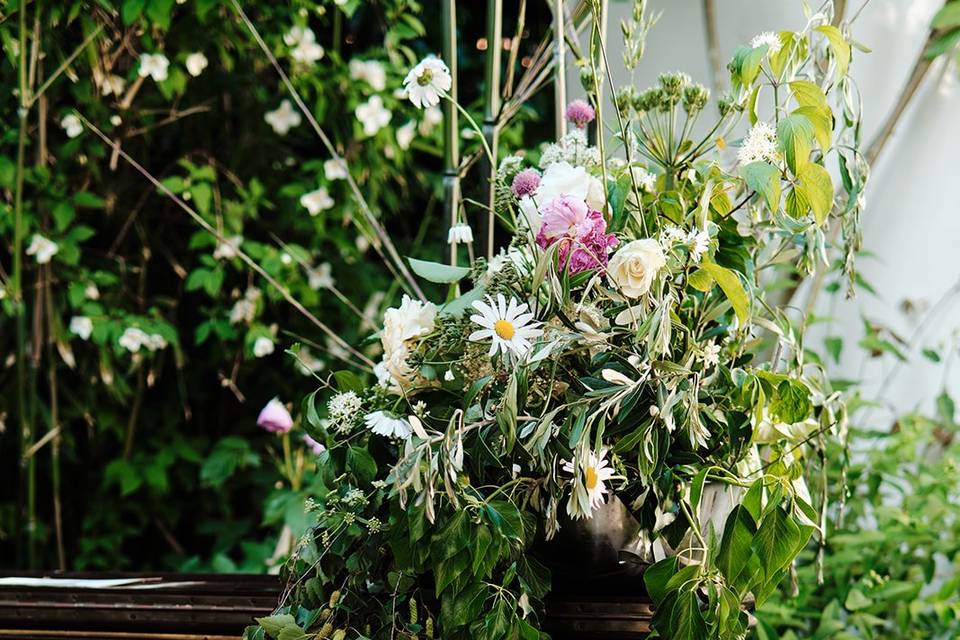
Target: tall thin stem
{"x": 559, "y": 69}
{"x": 491, "y": 112}
{"x": 451, "y": 134}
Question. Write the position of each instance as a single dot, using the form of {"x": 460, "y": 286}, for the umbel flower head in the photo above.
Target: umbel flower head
{"x": 275, "y": 418}
{"x": 760, "y": 144}
{"x": 427, "y": 81}
{"x": 507, "y": 326}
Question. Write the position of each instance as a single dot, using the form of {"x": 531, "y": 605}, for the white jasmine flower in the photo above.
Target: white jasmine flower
{"x": 370, "y": 71}
{"x": 507, "y": 326}
{"x": 711, "y": 354}
{"x": 228, "y": 248}
{"x": 699, "y": 243}
{"x": 72, "y": 125}
{"x": 283, "y": 118}
{"x": 591, "y": 474}
{"x": 344, "y": 407}
{"x": 645, "y": 180}
{"x": 154, "y": 65}
{"x": 406, "y": 134}
{"x": 769, "y": 38}
{"x": 263, "y": 346}
{"x": 81, "y": 326}
{"x": 321, "y": 277}
{"x": 305, "y": 48}
{"x": 316, "y": 201}
{"x": 387, "y": 424}
{"x": 112, "y": 85}
{"x": 91, "y": 292}
{"x": 196, "y": 63}
{"x": 563, "y": 179}
{"x": 373, "y": 115}
{"x": 245, "y": 309}
{"x": 427, "y": 81}
{"x": 132, "y": 339}
{"x": 335, "y": 169}
{"x": 760, "y": 144}
{"x": 460, "y": 234}
{"x": 42, "y": 248}
{"x": 432, "y": 116}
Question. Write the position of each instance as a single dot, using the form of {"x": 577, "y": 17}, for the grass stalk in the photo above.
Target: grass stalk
{"x": 451, "y": 129}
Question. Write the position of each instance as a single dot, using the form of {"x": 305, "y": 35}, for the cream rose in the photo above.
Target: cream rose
{"x": 634, "y": 266}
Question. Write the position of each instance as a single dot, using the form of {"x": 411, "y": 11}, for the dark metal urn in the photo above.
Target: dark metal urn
{"x": 597, "y": 567}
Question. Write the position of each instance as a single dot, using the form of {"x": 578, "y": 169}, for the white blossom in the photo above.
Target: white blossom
{"x": 304, "y": 46}
{"x": 72, "y": 125}
{"x": 196, "y": 63}
{"x": 132, "y": 339}
{"x": 460, "y": 234}
{"x": 406, "y": 134}
{"x": 645, "y": 180}
{"x": 699, "y": 241}
{"x": 316, "y": 201}
{"x": 373, "y": 115}
{"x": 154, "y": 65}
{"x": 760, "y": 144}
{"x": 432, "y": 116}
{"x": 370, "y": 71}
{"x": 112, "y": 84}
{"x": 769, "y": 38}
{"x": 335, "y": 169}
{"x": 283, "y": 118}
{"x": 263, "y": 346}
{"x": 228, "y": 248}
{"x": 43, "y": 249}
{"x": 320, "y": 277}
{"x": 81, "y": 326}
{"x": 387, "y": 424}
{"x": 91, "y": 291}
{"x": 711, "y": 354}
{"x": 427, "y": 81}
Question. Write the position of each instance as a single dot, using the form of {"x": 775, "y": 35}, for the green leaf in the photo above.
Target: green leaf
{"x": 687, "y": 619}
{"x": 948, "y": 17}
{"x": 273, "y": 625}
{"x": 657, "y": 576}
{"x": 732, "y": 287}
{"x": 131, "y": 10}
{"x": 701, "y": 280}
{"x": 736, "y": 548}
{"x": 808, "y": 94}
{"x": 764, "y": 178}
{"x": 436, "y": 272}
{"x": 795, "y": 134}
{"x": 817, "y": 188}
{"x": 776, "y": 541}
{"x": 791, "y": 404}
{"x": 361, "y": 464}
{"x": 202, "y": 195}
{"x": 834, "y": 346}
{"x": 159, "y": 12}
{"x": 838, "y": 46}
{"x": 505, "y": 519}
{"x": 856, "y": 600}
{"x": 822, "y": 122}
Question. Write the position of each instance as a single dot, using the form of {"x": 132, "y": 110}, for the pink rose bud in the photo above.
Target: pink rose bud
{"x": 275, "y": 418}
{"x": 579, "y": 112}
{"x": 525, "y": 183}
{"x": 313, "y": 445}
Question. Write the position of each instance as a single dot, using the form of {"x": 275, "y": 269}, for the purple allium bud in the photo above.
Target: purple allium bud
{"x": 275, "y": 418}
{"x": 525, "y": 183}
{"x": 313, "y": 445}
{"x": 579, "y": 112}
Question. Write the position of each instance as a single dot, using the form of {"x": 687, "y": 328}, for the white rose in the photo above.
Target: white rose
{"x": 563, "y": 179}
{"x": 633, "y": 267}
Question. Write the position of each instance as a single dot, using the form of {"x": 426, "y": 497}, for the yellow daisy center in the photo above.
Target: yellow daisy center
{"x": 592, "y": 479}
{"x": 504, "y": 329}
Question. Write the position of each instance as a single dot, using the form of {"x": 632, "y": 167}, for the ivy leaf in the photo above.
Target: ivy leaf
{"x": 817, "y": 188}
{"x": 730, "y": 284}
{"x": 436, "y": 272}
{"x": 764, "y": 178}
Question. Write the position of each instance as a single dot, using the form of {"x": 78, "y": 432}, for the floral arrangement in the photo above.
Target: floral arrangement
{"x": 626, "y": 348}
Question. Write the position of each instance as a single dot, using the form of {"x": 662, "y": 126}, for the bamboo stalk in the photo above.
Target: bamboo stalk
{"x": 559, "y": 69}
{"x": 451, "y": 133}
{"x": 491, "y": 112}
{"x": 54, "y": 432}
{"x": 713, "y": 46}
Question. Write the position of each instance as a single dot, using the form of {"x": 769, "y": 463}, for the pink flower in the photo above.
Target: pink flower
{"x": 275, "y": 418}
{"x": 579, "y": 112}
{"x": 581, "y": 232}
{"x": 313, "y": 445}
{"x": 525, "y": 183}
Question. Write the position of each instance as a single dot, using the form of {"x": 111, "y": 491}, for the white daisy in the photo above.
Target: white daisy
{"x": 303, "y": 41}
{"x": 316, "y": 201}
{"x": 508, "y": 327}
{"x": 406, "y": 134}
{"x": 769, "y": 38}
{"x": 460, "y": 234}
{"x": 263, "y": 346}
{"x": 42, "y": 248}
{"x": 589, "y": 487}
{"x": 283, "y": 118}
{"x": 387, "y": 424}
{"x": 335, "y": 169}
{"x": 154, "y": 65}
{"x": 72, "y": 125}
{"x": 760, "y": 144}
{"x": 81, "y": 326}
{"x": 373, "y": 115}
{"x": 370, "y": 71}
{"x": 196, "y": 63}
{"x": 427, "y": 81}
